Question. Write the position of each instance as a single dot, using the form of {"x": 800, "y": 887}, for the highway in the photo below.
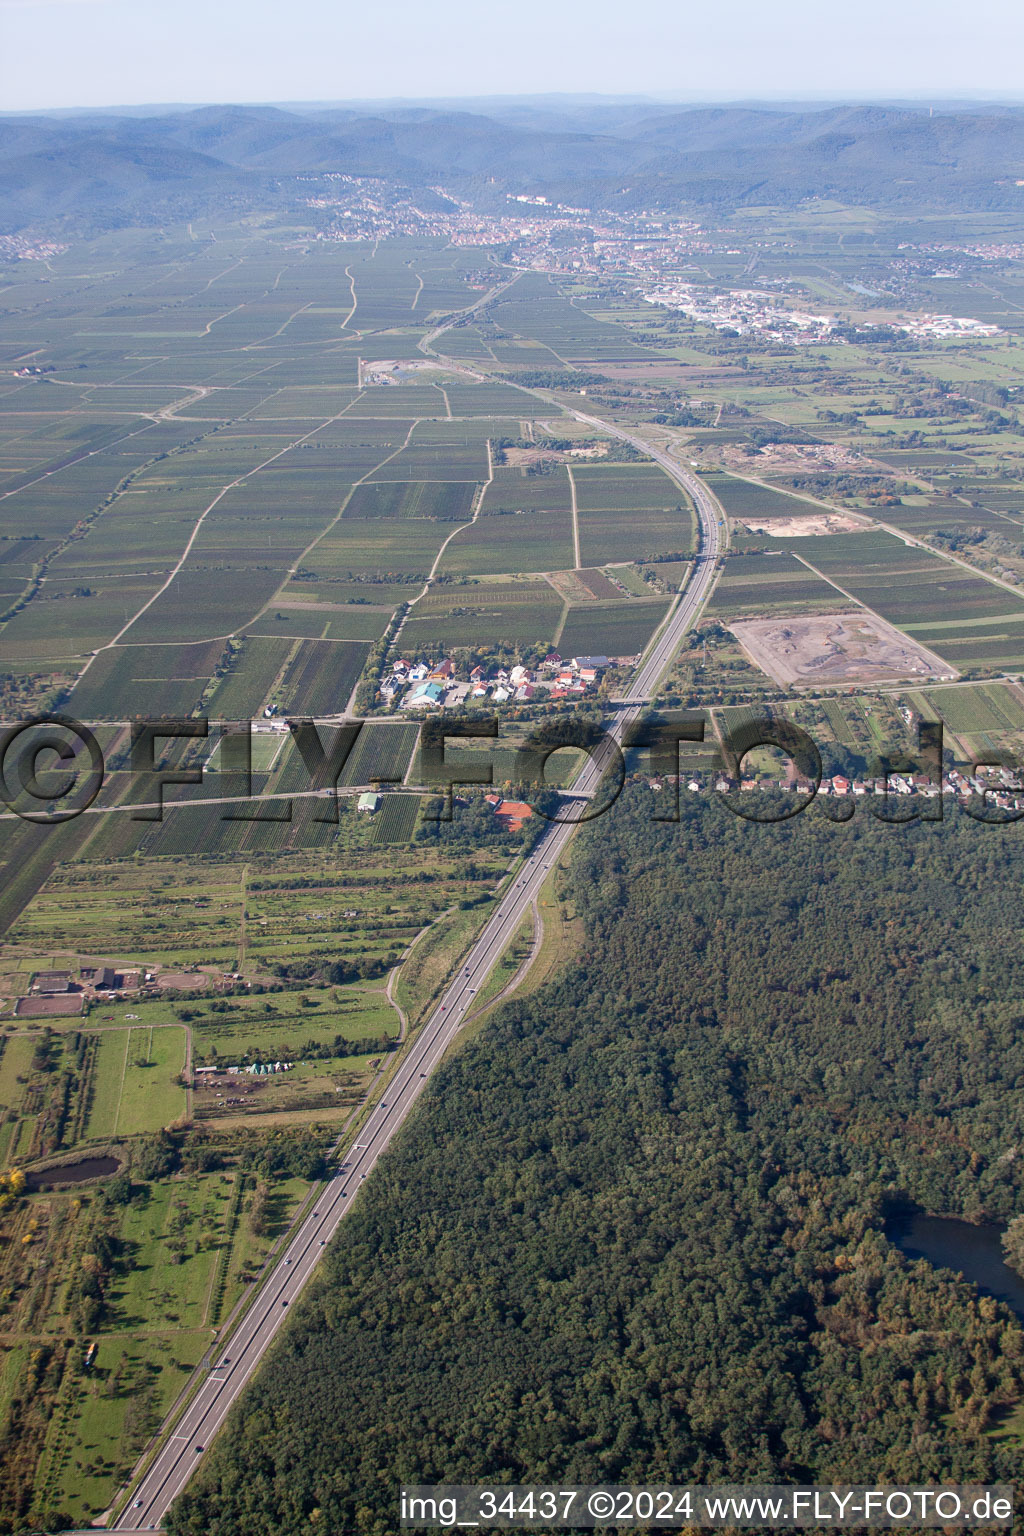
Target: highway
{"x": 181, "y": 1453}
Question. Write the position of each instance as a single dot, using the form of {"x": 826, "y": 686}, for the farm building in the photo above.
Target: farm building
{"x": 426, "y": 695}
{"x": 46, "y": 983}
{"x": 103, "y": 977}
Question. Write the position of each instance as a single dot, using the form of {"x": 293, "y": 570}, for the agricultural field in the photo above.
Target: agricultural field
{"x": 532, "y": 310}
{"x": 293, "y": 617}
{"x": 520, "y": 543}
{"x": 164, "y": 559}
{"x": 135, "y": 1086}
{"x": 376, "y": 549}
{"x": 194, "y": 1212}
{"x": 215, "y": 505}
{"x": 513, "y": 490}
{"x": 382, "y": 754}
{"x": 616, "y": 536}
{"x": 433, "y": 452}
{"x": 982, "y": 623}
{"x": 611, "y": 629}
{"x": 744, "y": 500}
{"x": 253, "y": 666}
{"x": 125, "y": 682}
{"x": 774, "y": 583}
{"x": 396, "y": 820}
{"x": 411, "y": 402}
{"x": 172, "y": 1265}
{"x": 629, "y": 512}
{"x": 451, "y": 503}
{"x": 193, "y": 921}
{"x": 978, "y": 719}
{"x": 473, "y": 613}
{"x": 320, "y": 677}
{"x": 995, "y": 707}
{"x": 632, "y": 488}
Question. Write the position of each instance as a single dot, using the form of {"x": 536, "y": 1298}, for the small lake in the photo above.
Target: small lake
{"x": 73, "y": 1173}
{"x": 974, "y": 1252}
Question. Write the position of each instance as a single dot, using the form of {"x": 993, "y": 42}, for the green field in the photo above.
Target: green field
{"x": 134, "y": 1088}
{"x": 995, "y": 707}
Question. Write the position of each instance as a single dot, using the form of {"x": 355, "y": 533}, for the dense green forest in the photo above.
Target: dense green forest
{"x": 637, "y": 1228}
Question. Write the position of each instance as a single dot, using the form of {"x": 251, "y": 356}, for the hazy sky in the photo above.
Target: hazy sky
{"x": 100, "y": 52}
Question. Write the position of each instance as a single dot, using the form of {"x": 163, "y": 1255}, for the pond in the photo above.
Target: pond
{"x": 973, "y": 1251}
{"x": 72, "y": 1173}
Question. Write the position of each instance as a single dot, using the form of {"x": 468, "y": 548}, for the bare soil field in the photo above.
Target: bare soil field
{"x": 781, "y": 457}
{"x": 834, "y": 648}
{"x": 812, "y": 526}
{"x": 518, "y": 457}
{"x": 60, "y": 1005}
{"x": 182, "y": 981}
{"x": 392, "y": 370}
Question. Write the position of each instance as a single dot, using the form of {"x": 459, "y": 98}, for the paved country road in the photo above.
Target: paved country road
{"x": 180, "y": 1455}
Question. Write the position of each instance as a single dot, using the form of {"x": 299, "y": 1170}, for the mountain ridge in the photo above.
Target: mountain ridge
{"x": 108, "y": 168}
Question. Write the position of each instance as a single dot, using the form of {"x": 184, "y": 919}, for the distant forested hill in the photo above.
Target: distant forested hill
{"x": 637, "y": 1230}
{"x": 108, "y": 169}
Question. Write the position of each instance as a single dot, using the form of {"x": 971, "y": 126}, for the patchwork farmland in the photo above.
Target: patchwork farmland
{"x": 251, "y": 475}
